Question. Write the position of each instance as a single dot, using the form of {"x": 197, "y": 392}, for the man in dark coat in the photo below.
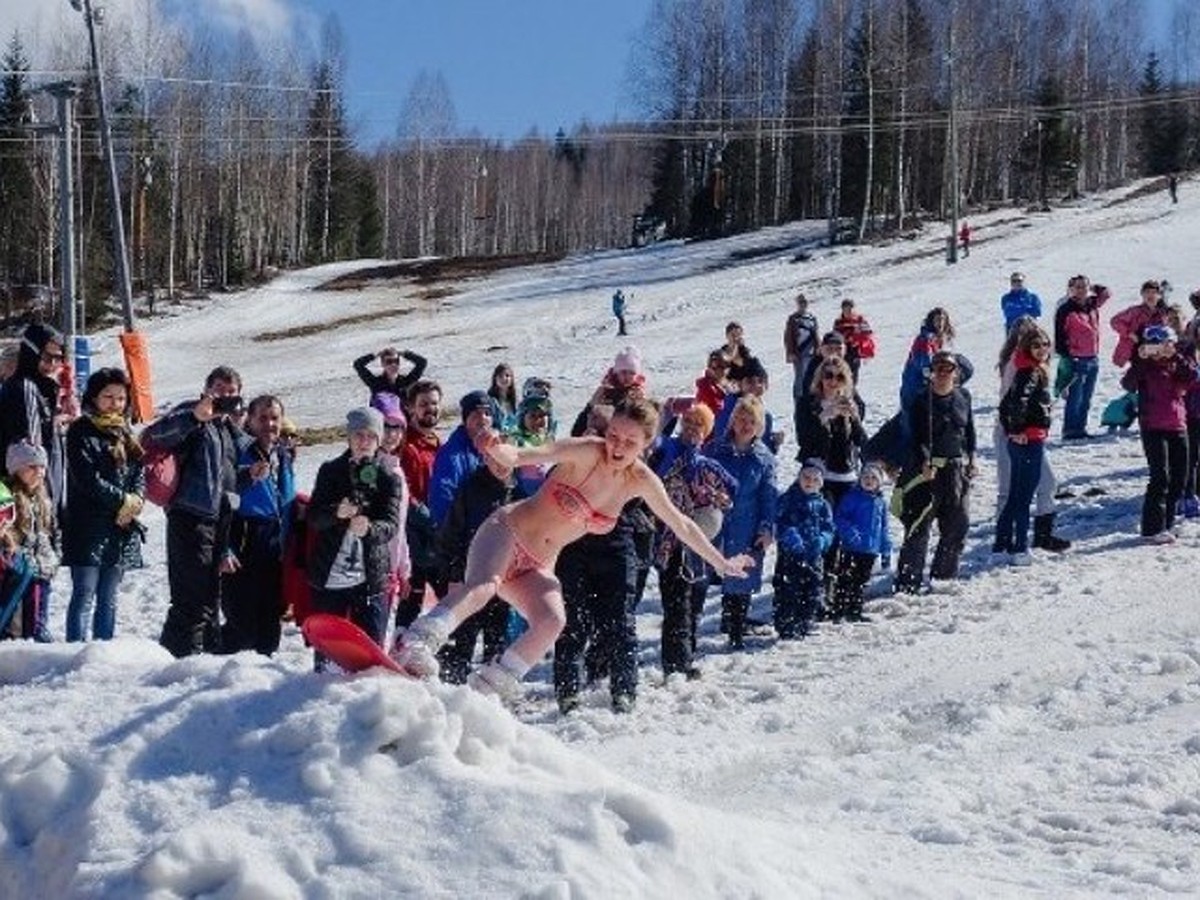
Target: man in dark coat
{"x": 206, "y": 443}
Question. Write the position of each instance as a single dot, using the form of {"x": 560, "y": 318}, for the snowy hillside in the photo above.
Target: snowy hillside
{"x": 1034, "y": 733}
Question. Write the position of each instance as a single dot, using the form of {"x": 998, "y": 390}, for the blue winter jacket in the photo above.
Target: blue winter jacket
{"x": 804, "y": 523}
{"x": 1017, "y": 303}
{"x": 862, "y": 522}
{"x": 753, "y": 510}
{"x": 455, "y": 460}
{"x": 268, "y": 500}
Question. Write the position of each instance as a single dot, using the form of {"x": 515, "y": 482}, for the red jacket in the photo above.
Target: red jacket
{"x": 710, "y": 393}
{"x": 416, "y": 459}
{"x": 1128, "y": 322}
{"x": 857, "y": 332}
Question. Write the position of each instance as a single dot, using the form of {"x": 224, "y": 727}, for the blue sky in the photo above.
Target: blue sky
{"x": 510, "y": 66}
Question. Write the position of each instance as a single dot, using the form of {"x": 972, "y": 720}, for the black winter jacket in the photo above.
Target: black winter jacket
{"x": 379, "y": 383}
{"x": 206, "y": 453}
{"x": 477, "y": 498}
{"x": 28, "y": 407}
{"x": 1026, "y": 403}
{"x": 97, "y": 485}
{"x": 379, "y": 493}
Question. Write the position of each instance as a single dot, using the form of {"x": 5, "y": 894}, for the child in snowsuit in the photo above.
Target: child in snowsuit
{"x": 703, "y": 490}
{"x": 804, "y": 525}
{"x": 861, "y": 521}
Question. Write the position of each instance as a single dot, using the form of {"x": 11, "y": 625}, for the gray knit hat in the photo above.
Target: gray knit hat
{"x": 364, "y": 418}
{"x": 22, "y": 454}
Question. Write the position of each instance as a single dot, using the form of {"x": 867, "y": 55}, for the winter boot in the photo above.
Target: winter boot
{"x": 739, "y": 605}
{"x": 1044, "y": 537}
{"x": 416, "y": 647}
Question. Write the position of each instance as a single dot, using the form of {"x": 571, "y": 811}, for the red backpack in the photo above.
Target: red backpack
{"x": 162, "y": 475}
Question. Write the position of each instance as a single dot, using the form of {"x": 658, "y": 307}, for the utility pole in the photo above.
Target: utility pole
{"x": 133, "y": 342}
{"x": 64, "y": 94}
{"x": 120, "y": 255}
{"x": 952, "y": 152}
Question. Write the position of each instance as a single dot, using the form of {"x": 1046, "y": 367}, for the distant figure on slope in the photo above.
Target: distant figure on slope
{"x": 618, "y": 310}
{"x": 964, "y": 239}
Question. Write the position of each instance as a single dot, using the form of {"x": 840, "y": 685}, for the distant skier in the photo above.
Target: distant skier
{"x": 1173, "y": 187}
{"x": 964, "y": 239}
{"x": 618, "y": 309}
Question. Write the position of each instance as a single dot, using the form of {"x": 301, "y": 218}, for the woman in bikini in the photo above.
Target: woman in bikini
{"x": 514, "y": 551}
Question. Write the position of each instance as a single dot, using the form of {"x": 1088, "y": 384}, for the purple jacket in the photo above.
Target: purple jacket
{"x": 1161, "y": 386}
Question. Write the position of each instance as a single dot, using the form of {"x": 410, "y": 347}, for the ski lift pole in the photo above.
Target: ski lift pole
{"x": 137, "y": 359}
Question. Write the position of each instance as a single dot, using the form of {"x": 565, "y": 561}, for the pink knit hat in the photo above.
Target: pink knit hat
{"x": 628, "y": 360}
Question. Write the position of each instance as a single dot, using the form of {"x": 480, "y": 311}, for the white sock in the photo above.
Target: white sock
{"x": 514, "y": 664}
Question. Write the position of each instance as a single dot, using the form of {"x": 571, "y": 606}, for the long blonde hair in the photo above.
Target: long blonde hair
{"x": 33, "y": 508}
{"x": 845, "y": 386}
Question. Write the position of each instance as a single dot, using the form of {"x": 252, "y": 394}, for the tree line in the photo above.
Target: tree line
{"x": 238, "y": 159}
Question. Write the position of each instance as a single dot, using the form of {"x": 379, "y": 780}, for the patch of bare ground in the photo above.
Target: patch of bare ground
{"x": 431, "y": 271}
{"x": 328, "y": 325}
{"x": 1154, "y": 186}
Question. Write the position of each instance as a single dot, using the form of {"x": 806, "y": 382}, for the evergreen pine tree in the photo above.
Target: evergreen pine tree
{"x": 18, "y": 230}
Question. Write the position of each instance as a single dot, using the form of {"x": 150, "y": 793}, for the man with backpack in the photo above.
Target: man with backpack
{"x": 205, "y": 442}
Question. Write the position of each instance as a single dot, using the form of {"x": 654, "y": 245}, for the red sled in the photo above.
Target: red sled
{"x": 346, "y": 644}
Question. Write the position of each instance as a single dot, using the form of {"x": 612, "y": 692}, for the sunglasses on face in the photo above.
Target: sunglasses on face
{"x": 944, "y": 367}
{"x": 830, "y": 375}
{"x": 390, "y": 360}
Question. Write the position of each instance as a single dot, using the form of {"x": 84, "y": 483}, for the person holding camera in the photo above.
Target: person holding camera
{"x": 391, "y": 380}
{"x": 1161, "y": 376}
{"x": 206, "y": 441}
{"x": 355, "y": 512}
